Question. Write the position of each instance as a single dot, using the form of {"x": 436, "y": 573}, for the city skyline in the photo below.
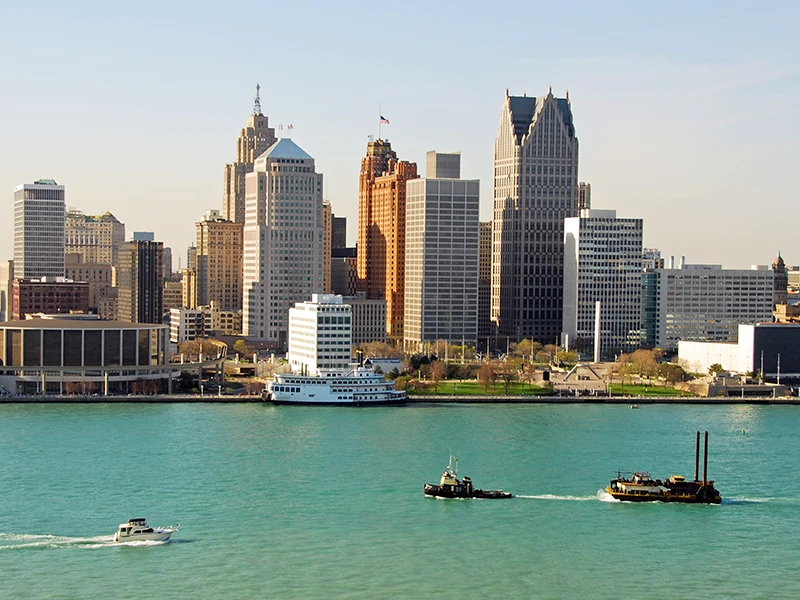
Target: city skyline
{"x": 652, "y": 93}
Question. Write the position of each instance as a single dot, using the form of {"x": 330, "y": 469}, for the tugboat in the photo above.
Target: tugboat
{"x": 450, "y": 486}
{"x": 641, "y": 488}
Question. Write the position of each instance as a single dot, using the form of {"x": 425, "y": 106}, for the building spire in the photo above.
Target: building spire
{"x": 257, "y": 101}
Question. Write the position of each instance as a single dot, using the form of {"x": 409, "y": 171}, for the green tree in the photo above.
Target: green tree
{"x": 715, "y": 369}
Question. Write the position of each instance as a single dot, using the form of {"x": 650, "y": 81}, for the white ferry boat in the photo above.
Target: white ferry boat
{"x": 360, "y": 386}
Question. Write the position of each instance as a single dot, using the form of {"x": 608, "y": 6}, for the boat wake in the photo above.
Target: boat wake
{"x": 20, "y": 541}
{"x": 604, "y": 496}
{"x": 746, "y": 500}
{"x": 555, "y": 497}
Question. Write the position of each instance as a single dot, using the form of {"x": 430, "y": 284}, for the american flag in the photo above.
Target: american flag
{"x": 384, "y": 120}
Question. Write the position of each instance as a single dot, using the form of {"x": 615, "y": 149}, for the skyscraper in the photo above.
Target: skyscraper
{"x": 95, "y": 238}
{"x": 139, "y": 280}
{"x": 484, "y": 281}
{"x": 283, "y": 243}
{"x": 441, "y": 264}
{"x": 219, "y": 262}
{"x": 382, "y": 230}
{"x": 253, "y": 140}
{"x": 327, "y": 232}
{"x": 603, "y": 263}
{"x": 535, "y": 189}
{"x": 39, "y": 210}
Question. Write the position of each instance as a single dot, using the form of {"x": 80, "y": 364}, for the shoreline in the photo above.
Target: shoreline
{"x": 638, "y": 400}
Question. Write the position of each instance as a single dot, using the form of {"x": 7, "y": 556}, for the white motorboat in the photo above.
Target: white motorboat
{"x": 136, "y": 530}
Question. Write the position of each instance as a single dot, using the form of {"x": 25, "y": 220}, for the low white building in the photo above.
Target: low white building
{"x": 320, "y": 335}
{"x": 186, "y": 324}
{"x": 773, "y": 348}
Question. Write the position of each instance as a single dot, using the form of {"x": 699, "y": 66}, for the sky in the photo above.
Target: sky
{"x": 686, "y": 112}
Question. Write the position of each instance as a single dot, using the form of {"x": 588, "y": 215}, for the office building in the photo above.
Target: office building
{"x": 338, "y": 232}
{"x": 440, "y": 165}
{"x": 381, "y": 230}
{"x": 344, "y": 274}
{"x": 139, "y": 280}
{"x": 535, "y": 189}
{"x": 144, "y": 236}
{"x": 49, "y": 295}
{"x": 484, "y": 282}
{"x": 320, "y": 335}
{"x": 219, "y": 261}
{"x": 441, "y": 266}
{"x": 97, "y": 275}
{"x": 167, "y": 254}
{"x": 254, "y": 139}
{"x": 173, "y": 295}
{"x": 369, "y": 318}
{"x": 283, "y": 247}
{"x": 327, "y": 232}
{"x": 95, "y": 239}
{"x": 702, "y": 303}
{"x": 584, "y": 196}
{"x": 602, "y": 263}
{"x": 6, "y": 291}
{"x": 39, "y": 213}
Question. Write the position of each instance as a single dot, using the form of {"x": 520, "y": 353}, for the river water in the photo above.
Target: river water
{"x": 309, "y": 502}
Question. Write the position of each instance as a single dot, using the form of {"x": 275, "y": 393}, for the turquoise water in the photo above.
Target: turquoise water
{"x": 305, "y": 502}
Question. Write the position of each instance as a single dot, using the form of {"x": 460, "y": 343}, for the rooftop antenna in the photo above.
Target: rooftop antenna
{"x": 257, "y": 101}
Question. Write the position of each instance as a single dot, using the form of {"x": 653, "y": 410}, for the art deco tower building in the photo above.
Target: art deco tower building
{"x": 283, "y": 239}
{"x": 382, "y": 230}
{"x": 253, "y": 141}
{"x": 535, "y": 189}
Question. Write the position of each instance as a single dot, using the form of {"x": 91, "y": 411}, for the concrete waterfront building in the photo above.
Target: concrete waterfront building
{"x": 254, "y": 139}
{"x": 219, "y": 261}
{"x": 773, "y": 347}
{"x": 81, "y": 355}
{"x": 703, "y": 303}
{"x": 139, "y": 280}
{"x": 441, "y": 266}
{"x": 584, "y": 195}
{"x": 97, "y": 275}
{"x": 369, "y": 318}
{"x": 95, "y": 239}
{"x": 535, "y": 189}
{"x": 484, "y": 280}
{"x": 320, "y": 335}
{"x": 602, "y": 263}
{"x": 39, "y": 214}
{"x": 51, "y": 295}
{"x": 283, "y": 245}
{"x": 381, "y": 230}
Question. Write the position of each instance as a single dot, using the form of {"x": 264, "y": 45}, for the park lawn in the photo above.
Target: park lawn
{"x": 474, "y": 388}
{"x": 630, "y": 389}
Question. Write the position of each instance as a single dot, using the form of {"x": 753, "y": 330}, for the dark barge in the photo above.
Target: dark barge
{"x": 639, "y": 487}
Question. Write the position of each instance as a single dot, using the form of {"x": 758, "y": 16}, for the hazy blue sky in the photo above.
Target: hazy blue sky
{"x": 686, "y": 112}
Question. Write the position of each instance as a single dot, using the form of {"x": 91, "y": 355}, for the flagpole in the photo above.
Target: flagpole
{"x": 379, "y": 120}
